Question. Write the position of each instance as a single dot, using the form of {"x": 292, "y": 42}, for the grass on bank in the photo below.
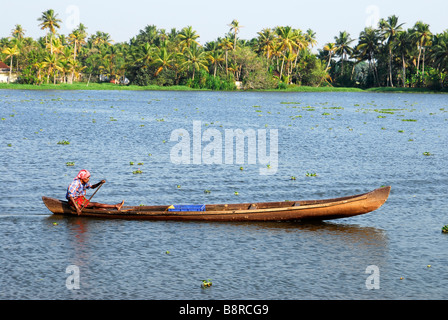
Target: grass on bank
{"x": 290, "y": 88}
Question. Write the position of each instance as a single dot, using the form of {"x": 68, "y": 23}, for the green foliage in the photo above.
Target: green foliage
{"x": 279, "y": 58}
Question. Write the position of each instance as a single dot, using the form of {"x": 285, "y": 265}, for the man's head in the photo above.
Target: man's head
{"x": 84, "y": 176}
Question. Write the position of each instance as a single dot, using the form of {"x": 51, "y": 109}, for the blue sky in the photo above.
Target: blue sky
{"x": 124, "y": 19}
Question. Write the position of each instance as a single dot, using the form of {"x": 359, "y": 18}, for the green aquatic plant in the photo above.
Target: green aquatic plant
{"x": 311, "y": 174}
{"x": 206, "y": 283}
{"x": 63, "y": 142}
{"x": 445, "y": 229}
{"x": 427, "y": 154}
{"x": 69, "y": 164}
{"x": 138, "y": 171}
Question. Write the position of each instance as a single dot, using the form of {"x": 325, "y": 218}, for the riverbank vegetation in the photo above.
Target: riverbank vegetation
{"x": 389, "y": 56}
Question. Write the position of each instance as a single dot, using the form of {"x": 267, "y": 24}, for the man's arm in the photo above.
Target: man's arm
{"x": 78, "y": 209}
{"x": 98, "y": 184}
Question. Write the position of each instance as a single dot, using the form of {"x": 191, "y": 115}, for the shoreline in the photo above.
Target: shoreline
{"x": 114, "y": 87}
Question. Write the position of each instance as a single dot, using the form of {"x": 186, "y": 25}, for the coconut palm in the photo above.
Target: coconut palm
{"x": 402, "y": 47}
{"x": 331, "y": 49}
{"x": 146, "y": 51}
{"x": 390, "y": 28}
{"x": 266, "y": 42}
{"x": 286, "y": 40}
{"x": 226, "y": 45}
{"x": 10, "y": 53}
{"x": 49, "y": 20}
{"x": 188, "y": 38}
{"x": 77, "y": 39}
{"x": 310, "y": 37}
{"x": 235, "y": 27}
{"x": 440, "y": 51}
{"x": 215, "y": 56}
{"x": 422, "y": 36}
{"x": 18, "y": 32}
{"x": 195, "y": 58}
{"x": 343, "y": 50}
{"x": 52, "y": 65}
{"x": 162, "y": 59}
{"x": 368, "y": 47}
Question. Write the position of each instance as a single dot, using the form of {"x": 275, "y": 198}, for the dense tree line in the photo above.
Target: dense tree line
{"x": 388, "y": 55}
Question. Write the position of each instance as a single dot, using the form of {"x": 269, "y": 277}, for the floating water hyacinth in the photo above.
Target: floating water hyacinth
{"x": 206, "y": 283}
{"x": 63, "y": 142}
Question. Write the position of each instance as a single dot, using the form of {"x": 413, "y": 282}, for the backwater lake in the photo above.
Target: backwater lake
{"x": 333, "y": 144}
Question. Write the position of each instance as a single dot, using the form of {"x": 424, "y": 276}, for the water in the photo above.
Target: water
{"x": 354, "y": 142}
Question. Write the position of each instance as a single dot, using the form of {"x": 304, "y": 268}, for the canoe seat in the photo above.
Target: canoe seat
{"x": 296, "y": 204}
{"x": 253, "y": 206}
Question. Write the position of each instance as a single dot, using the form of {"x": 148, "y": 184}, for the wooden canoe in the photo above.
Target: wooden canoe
{"x": 326, "y": 209}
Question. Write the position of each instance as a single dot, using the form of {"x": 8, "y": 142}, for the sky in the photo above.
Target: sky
{"x": 210, "y": 19}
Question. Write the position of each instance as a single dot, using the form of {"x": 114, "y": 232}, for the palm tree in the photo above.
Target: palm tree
{"x": 402, "y": 47}
{"x": 52, "y": 65}
{"x": 50, "y": 21}
{"x": 390, "y": 28}
{"x": 440, "y": 51}
{"x": 187, "y": 38}
{"x": 368, "y": 47}
{"x": 302, "y": 41}
{"x": 18, "y": 32}
{"x": 266, "y": 42}
{"x": 162, "y": 59}
{"x": 77, "y": 39}
{"x": 101, "y": 38}
{"x": 331, "y": 48}
{"x": 195, "y": 58}
{"x": 226, "y": 45}
{"x": 235, "y": 27}
{"x": 10, "y": 53}
{"x": 147, "y": 53}
{"x": 215, "y": 56}
{"x": 310, "y": 37}
{"x": 286, "y": 38}
{"x": 343, "y": 47}
{"x": 422, "y": 37}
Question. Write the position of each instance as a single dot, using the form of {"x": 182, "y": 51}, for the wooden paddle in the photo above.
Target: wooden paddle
{"x": 90, "y": 197}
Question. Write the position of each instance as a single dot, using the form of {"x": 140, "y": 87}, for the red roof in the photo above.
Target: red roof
{"x": 3, "y": 65}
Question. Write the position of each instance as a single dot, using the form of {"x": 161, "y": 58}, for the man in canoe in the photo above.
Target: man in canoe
{"x": 76, "y": 193}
